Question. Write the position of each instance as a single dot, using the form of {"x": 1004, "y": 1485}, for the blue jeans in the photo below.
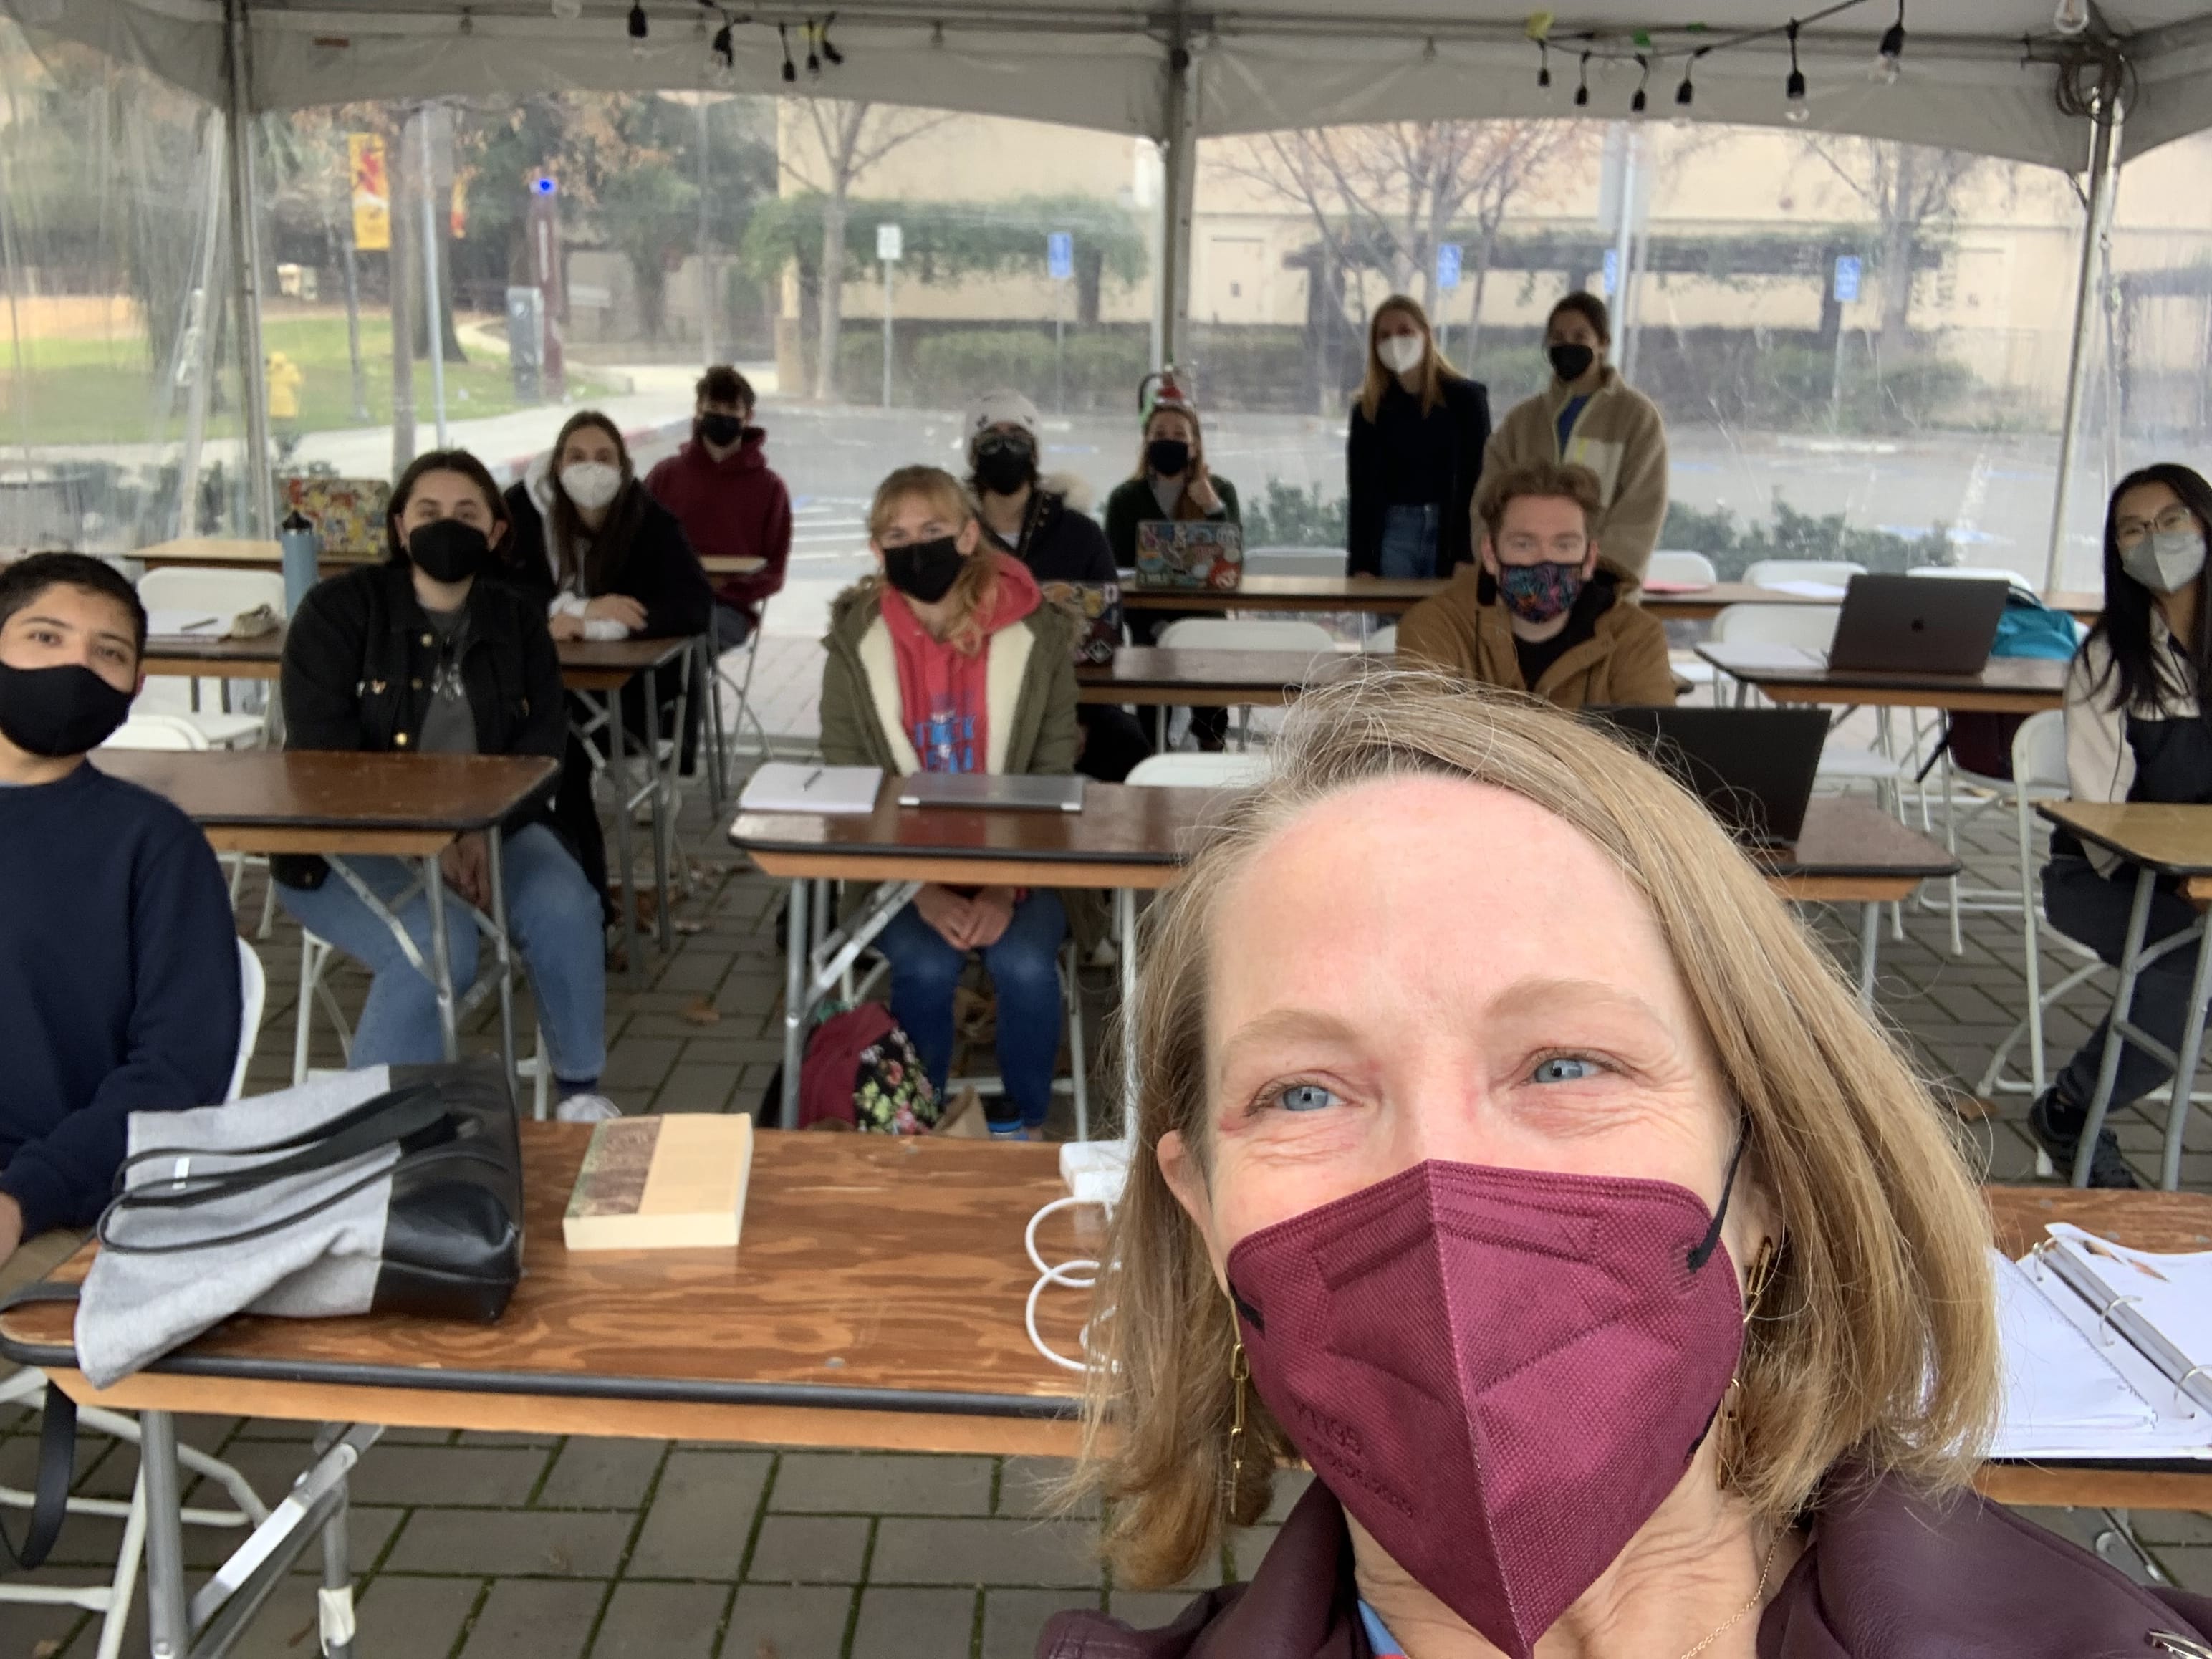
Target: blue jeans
{"x": 1024, "y": 970}
{"x": 1409, "y": 542}
{"x": 552, "y": 914}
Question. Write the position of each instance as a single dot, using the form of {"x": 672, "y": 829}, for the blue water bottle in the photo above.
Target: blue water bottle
{"x": 302, "y": 548}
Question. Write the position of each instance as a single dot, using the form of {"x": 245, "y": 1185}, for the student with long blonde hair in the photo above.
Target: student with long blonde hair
{"x": 947, "y": 660}
{"x": 1418, "y": 427}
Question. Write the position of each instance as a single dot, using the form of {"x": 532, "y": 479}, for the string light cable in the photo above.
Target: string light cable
{"x": 1096, "y": 1172}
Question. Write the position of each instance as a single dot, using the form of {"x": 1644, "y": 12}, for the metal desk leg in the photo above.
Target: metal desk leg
{"x": 657, "y": 787}
{"x": 1125, "y": 925}
{"x": 794, "y": 1000}
{"x": 714, "y": 730}
{"x": 2185, "y": 1070}
{"x": 1869, "y": 949}
{"x": 335, "y": 1605}
{"x": 442, "y": 961}
{"x": 505, "y": 966}
{"x": 2122, "y": 1004}
{"x": 168, "y": 1621}
{"x": 618, "y": 770}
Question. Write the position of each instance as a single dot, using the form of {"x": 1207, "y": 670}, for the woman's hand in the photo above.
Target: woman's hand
{"x": 618, "y": 608}
{"x": 467, "y": 866}
{"x": 989, "y": 913}
{"x": 947, "y": 912}
{"x": 566, "y": 626}
{"x": 1203, "y": 496}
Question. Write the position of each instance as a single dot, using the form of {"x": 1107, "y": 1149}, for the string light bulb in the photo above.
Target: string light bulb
{"x": 1889, "y": 56}
{"x": 1543, "y": 63}
{"x": 790, "y": 70}
{"x": 835, "y": 56}
{"x": 638, "y": 28}
{"x": 814, "y": 53}
{"x": 1687, "y": 94}
{"x": 1639, "y": 103}
{"x": 1793, "y": 90}
{"x": 1582, "y": 86}
{"x": 2072, "y": 17}
{"x": 722, "y": 59}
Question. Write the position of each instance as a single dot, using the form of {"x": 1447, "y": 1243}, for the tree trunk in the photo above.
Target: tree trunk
{"x": 1090, "y": 277}
{"x": 1898, "y": 244}
{"x": 1474, "y": 312}
{"x": 437, "y": 137}
{"x": 833, "y": 294}
{"x": 403, "y": 262}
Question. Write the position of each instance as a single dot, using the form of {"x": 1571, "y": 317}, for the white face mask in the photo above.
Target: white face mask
{"x": 1402, "y": 354}
{"x": 591, "y": 485}
{"x": 2166, "y": 561}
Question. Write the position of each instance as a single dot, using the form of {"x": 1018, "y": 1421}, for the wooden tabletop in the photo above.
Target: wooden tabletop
{"x": 1152, "y": 675}
{"x": 219, "y": 551}
{"x": 727, "y": 564}
{"x": 2008, "y": 685}
{"x": 272, "y": 800}
{"x": 1701, "y": 603}
{"x": 876, "y": 1298}
{"x": 2173, "y": 839}
{"x": 1356, "y": 593}
{"x": 585, "y": 665}
{"x": 1123, "y": 837}
{"x": 1850, "y": 850}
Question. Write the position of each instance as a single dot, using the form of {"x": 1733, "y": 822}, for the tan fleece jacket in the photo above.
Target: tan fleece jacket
{"x": 1457, "y": 633}
{"x": 1619, "y": 436}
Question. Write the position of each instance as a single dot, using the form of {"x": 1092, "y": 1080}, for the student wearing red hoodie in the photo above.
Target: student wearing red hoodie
{"x": 948, "y": 661}
{"x": 730, "y": 504}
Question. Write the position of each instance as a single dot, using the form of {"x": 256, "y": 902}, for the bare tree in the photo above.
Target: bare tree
{"x": 850, "y": 137}
{"x": 1910, "y": 190}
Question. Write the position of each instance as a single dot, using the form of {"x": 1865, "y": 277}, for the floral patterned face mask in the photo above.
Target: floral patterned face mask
{"x": 1539, "y": 592}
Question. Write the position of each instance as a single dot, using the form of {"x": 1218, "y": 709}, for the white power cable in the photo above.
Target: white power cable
{"x": 1078, "y": 1273}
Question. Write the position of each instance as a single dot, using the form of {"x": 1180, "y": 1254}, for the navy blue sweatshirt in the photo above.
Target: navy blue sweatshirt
{"x": 119, "y": 984}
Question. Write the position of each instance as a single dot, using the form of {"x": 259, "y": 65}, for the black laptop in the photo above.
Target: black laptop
{"x": 1752, "y": 767}
{"x": 1916, "y": 625}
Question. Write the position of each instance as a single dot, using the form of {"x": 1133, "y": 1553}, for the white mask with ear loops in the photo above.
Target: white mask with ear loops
{"x": 591, "y": 485}
{"x": 1402, "y": 354}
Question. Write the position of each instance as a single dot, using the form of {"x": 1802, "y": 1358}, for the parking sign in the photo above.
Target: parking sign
{"x": 1060, "y": 255}
{"x": 1612, "y": 271}
{"x": 1847, "y": 278}
{"x": 1448, "y": 262}
{"x": 890, "y": 243}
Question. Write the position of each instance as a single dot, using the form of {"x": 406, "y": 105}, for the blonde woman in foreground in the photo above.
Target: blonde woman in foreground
{"x": 1509, "y": 1153}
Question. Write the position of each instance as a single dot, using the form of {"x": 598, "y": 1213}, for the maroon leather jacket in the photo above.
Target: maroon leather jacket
{"x": 1886, "y": 1575}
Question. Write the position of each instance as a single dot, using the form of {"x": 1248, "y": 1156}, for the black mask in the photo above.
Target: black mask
{"x": 64, "y": 710}
{"x": 721, "y": 430}
{"x": 1168, "y": 456}
{"x": 924, "y": 570}
{"x": 1004, "y": 465}
{"x": 447, "y": 551}
{"x": 1570, "y": 363}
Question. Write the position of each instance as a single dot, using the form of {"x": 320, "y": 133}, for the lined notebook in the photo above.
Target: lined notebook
{"x": 2106, "y": 1351}
{"x": 662, "y": 1183}
{"x": 789, "y": 786}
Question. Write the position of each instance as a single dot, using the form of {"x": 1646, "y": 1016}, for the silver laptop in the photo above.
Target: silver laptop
{"x": 1019, "y": 792}
{"x": 1912, "y": 625}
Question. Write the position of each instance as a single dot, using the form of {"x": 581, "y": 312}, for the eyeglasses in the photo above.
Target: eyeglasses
{"x": 2173, "y": 521}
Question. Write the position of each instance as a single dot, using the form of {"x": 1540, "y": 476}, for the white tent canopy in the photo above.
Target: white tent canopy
{"x": 1977, "y": 74}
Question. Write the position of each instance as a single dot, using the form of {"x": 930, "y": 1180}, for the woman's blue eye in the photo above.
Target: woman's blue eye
{"x": 1565, "y": 1069}
{"x": 1306, "y": 1097}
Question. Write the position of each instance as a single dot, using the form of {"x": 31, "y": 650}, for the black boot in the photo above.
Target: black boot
{"x": 2057, "y": 1126}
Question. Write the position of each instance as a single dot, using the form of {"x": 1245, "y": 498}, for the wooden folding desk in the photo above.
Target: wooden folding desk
{"x": 596, "y": 670}
{"x": 2167, "y": 842}
{"x": 2008, "y": 685}
{"x": 876, "y": 1302}
{"x": 1702, "y": 604}
{"x": 235, "y": 554}
{"x": 1369, "y": 595}
{"x": 1156, "y": 677}
{"x": 342, "y": 805}
{"x": 725, "y": 564}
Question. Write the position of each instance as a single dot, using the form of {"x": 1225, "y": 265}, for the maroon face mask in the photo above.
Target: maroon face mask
{"x": 1500, "y": 1373}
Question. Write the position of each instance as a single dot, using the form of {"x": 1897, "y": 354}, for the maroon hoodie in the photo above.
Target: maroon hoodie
{"x": 1885, "y": 1575}
{"x": 735, "y": 508}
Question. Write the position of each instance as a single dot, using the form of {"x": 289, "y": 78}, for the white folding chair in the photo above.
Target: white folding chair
{"x": 111, "y": 1600}
{"x": 1241, "y": 634}
{"x": 1197, "y": 771}
{"x": 226, "y": 593}
{"x": 1771, "y": 572}
{"x": 1695, "y": 569}
{"x": 156, "y": 731}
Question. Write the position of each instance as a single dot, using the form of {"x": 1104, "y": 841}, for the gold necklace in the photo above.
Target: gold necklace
{"x": 1730, "y": 1623}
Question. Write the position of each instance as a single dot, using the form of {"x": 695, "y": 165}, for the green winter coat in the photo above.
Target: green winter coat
{"x": 1031, "y": 725}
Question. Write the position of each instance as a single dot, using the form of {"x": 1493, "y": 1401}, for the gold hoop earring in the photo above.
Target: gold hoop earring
{"x": 1728, "y": 1445}
{"x": 1240, "y": 1373}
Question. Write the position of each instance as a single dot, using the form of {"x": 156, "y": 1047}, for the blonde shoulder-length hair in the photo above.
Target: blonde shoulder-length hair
{"x": 974, "y": 595}
{"x": 1435, "y": 368}
{"x": 1875, "y": 1341}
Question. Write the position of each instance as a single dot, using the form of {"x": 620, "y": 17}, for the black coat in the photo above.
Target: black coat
{"x": 1467, "y": 407}
{"x": 658, "y": 568}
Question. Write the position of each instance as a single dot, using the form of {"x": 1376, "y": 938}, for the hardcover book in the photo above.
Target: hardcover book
{"x": 662, "y": 1183}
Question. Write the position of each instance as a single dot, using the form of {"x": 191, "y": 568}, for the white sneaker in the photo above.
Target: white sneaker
{"x": 586, "y": 1109}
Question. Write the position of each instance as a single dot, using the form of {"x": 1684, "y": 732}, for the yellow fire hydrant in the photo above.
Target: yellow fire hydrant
{"x": 284, "y": 378}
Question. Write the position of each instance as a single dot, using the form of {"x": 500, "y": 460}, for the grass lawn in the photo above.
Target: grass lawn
{"x": 102, "y": 390}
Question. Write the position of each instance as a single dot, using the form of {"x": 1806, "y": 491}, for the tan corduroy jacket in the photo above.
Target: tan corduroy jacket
{"x": 1466, "y": 631}
{"x": 1619, "y": 436}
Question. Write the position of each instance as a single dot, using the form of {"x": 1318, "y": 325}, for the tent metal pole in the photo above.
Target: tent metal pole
{"x": 1178, "y": 186}
{"x": 246, "y": 249}
{"x": 2088, "y": 292}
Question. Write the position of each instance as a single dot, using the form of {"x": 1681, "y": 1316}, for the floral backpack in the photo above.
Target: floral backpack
{"x": 861, "y": 1072}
